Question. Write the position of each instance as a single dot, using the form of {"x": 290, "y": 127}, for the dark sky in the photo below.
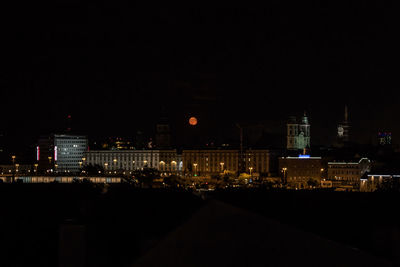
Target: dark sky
{"x": 114, "y": 68}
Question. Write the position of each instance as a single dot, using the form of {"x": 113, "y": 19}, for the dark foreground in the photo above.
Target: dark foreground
{"x": 56, "y": 224}
{"x": 112, "y": 228}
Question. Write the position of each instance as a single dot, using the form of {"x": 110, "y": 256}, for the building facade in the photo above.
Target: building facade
{"x": 216, "y": 161}
{"x": 166, "y": 161}
{"x": 298, "y": 134}
{"x": 302, "y": 172}
{"x": 372, "y": 182}
{"x": 61, "y": 153}
{"x": 348, "y": 173}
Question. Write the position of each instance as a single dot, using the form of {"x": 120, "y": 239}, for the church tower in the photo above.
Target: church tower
{"x": 343, "y": 130}
{"x": 298, "y": 134}
{"x": 305, "y": 134}
{"x": 292, "y": 132}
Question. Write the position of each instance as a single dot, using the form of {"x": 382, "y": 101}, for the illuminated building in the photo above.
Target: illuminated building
{"x": 61, "y": 153}
{"x": 216, "y": 161}
{"x": 16, "y": 168}
{"x": 348, "y": 173}
{"x": 343, "y": 129}
{"x": 68, "y": 179}
{"x": 166, "y": 161}
{"x": 302, "y": 172}
{"x": 384, "y": 138}
{"x": 298, "y": 134}
{"x": 372, "y": 182}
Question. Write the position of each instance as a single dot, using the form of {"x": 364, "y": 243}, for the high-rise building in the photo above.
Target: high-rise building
{"x": 343, "y": 129}
{"x": 61, "y": 153}
{"x": 298, "y": 133}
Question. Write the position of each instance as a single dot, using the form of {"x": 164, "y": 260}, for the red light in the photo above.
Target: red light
{"x": 69, "y": 116}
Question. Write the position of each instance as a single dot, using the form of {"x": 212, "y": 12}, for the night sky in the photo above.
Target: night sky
{"x": 116, "y": 69}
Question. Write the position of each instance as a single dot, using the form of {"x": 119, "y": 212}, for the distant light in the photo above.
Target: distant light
{"x": 304, "y": 156}
{"x": 193, "y": 121}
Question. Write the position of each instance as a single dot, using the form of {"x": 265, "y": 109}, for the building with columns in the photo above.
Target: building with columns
{"x": 210, "y": 162}
{"x": 166, "y": 161}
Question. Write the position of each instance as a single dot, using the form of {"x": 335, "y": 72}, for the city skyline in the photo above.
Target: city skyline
{"x": 187, "y": 136}
{"x": 224, "y": 67}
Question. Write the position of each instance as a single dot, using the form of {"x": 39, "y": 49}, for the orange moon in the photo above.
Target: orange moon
{"x": 193, "y": 121}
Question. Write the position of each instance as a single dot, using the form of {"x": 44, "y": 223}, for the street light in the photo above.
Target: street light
{"x": 284, "y": 174}
{"x": 16, "y": 167}
{"x": 222, "y": 166}
{"x": 36, "y": 166}
{"x": 13, "y": 159}
{"x": 195, "y": 168}
{"x": 251, "y": 169}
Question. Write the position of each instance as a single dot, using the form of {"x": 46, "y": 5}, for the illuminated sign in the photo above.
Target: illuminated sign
{"x": 55, "y": 153}
{"x": 37, "y": 153}
{"x": 304, "y": 156}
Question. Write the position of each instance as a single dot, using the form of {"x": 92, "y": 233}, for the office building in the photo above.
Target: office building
{"x": 302, "y": 172}
{"x": 210, "y": 162}
{"x": 348, "y": 173}
{"x": 61, "y": 153}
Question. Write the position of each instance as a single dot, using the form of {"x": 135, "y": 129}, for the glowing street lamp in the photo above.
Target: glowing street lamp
{"x": 222, "y": 166}
{"x": 251, "y": 169}
{"x": 16, "y": 167}
{"x": 13, "y": 159}
{"x": 284, "y": 174}
{"x": 195, "y": 167}
{"x": 36, "y": 166}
